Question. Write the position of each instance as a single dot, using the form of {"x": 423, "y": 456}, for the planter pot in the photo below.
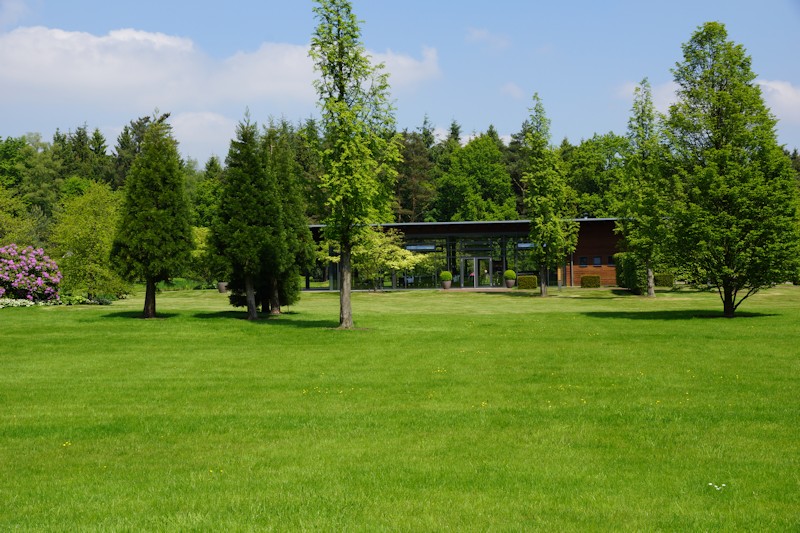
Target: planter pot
{"x": 446, "y": 284}
{"x": 510, "y": 283}
{"x": 222, "y": 286}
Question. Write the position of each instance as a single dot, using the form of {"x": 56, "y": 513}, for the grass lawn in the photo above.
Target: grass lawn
{"x": 443, "y": 411}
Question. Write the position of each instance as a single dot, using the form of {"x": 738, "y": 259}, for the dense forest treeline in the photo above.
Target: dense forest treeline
{"x": 454, "y": 178}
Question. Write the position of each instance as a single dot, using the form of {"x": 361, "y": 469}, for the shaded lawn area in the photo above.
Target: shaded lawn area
{"x": 442, "y": 411}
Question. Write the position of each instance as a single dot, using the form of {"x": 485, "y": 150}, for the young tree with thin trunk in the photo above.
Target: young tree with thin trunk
{"x": 737, "y": 222}
{"x": 642, "y": 195}
{"x": 154, "y": 237}
{"x": 361, "y": 147}
{"x": 550, "y": 202}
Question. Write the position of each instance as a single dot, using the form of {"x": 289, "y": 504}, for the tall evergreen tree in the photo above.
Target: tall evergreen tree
{"x": 292, "y": 246}
{"x": 154, "y": 239}
{"x": 361, "y": 147}
{"x": 738, "y": 221}
{"x": 549, "y": 201}
{"x": 415, "y": 188}
{"x": 248, "y": 199}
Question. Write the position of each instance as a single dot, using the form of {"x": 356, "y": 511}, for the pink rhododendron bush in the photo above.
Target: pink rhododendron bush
{"x": 28, "y": 274}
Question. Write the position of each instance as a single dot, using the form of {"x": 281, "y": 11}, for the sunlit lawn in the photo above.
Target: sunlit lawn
{"x": 442, "y": 411}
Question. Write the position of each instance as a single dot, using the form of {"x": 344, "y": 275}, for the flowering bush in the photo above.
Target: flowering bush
{"x": 28, "y": 274}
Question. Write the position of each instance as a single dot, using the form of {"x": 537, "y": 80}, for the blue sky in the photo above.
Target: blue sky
{"x": 103, "y": 63}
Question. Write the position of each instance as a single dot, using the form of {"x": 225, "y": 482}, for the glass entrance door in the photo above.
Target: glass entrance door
{"x": 476, "y": 272}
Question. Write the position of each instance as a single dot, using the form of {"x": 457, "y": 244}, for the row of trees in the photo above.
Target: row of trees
{"x": 705, "y": 189}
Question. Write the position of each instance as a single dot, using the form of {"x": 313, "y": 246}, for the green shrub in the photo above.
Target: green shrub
{"x": 446, "y": 275}
{"x": 630, "y": 275}
{"x": 509, "y": 274}
{"x": 590, "y": 281}
{"x": 527, "y": 282}
{"x": 664, "y": 280}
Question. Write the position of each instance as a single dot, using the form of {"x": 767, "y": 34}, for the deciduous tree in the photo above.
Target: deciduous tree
{"x": 82, "y": 236}
{"x": 738, "y": 221}
{"x": 550, "y": 201}
{"x": 361, "y": 146}
{"x": 643, "y": 194}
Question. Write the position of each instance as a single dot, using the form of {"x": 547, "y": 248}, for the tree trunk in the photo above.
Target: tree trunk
{"x": 345, "y": 307}
{"x": 149, "y": 299}
{"x": 250, "y": 291}
{"x": 651, "y": 281}
{"x": 727, "y": 301}
{"x": 543, "y": 280}
{"x": 274, "y": 297}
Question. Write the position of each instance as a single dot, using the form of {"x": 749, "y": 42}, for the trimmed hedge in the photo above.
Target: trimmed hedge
{"x": 590, "y": 281}
{"x": 527, "y": 282}
{"x": 446, "y": 275}
{"x": 664, "y": 280}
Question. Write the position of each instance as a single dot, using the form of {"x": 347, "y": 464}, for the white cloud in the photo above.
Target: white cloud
{"x": 123, "y": 66}
{"x": 485, "y": 37}
{"x": 407, "y": 71}
{"x": 153, "y": 69}
{"x": 783, "y": 98}
{"x": 203, "y": 133}
{"x": 130, "y": 73}
{"x": 513, "y": 90}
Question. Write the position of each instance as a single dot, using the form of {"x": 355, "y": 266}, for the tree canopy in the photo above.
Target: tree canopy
{"x": 737, "y": 218}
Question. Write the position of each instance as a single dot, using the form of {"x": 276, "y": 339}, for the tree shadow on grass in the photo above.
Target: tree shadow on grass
{"x": 138, "y": 314}
{"x": 266, "y": 320}
{"x": 670, "y": 314}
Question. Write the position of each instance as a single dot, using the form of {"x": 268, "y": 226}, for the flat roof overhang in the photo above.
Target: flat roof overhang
{"x": 470, "y": 229}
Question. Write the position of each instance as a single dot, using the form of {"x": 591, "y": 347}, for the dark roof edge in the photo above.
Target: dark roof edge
{"x": 470, "y": 223}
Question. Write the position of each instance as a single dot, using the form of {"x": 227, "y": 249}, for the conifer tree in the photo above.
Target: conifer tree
{"x": 153, "y": 241}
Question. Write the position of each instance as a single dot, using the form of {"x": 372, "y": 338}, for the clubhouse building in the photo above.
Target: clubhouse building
{"x": 477, "y": 253}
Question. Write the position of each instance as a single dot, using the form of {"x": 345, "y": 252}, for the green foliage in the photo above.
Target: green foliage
{"x": 415, "y": 188}
{"x": 630, "y": 272}
{"x": 550, "y": 201}
{"x": 153, "y": 241}
{"x": 361, "y": 148}
{"x": 15, "y": 224}
{"x": 446, "y": 275}
{"x": 645, "y": 194}
{"x": 664, "y": 280}
{"x": 477, "y": 185}
{"x": 380, "y": 252}
{"x": 83, "y": 235}
{"x": 590, "y": 281}
{"x": 242, "y": 231}
{"x": 509, "y": 275}
{"x": 738, "y": 215}
{"x": 592, "y": 170}
{"x": 527, "y": 282}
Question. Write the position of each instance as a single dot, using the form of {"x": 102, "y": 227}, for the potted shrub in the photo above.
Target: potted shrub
{"x": 511, "y": 277}
{"x": 446, "y": 278}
